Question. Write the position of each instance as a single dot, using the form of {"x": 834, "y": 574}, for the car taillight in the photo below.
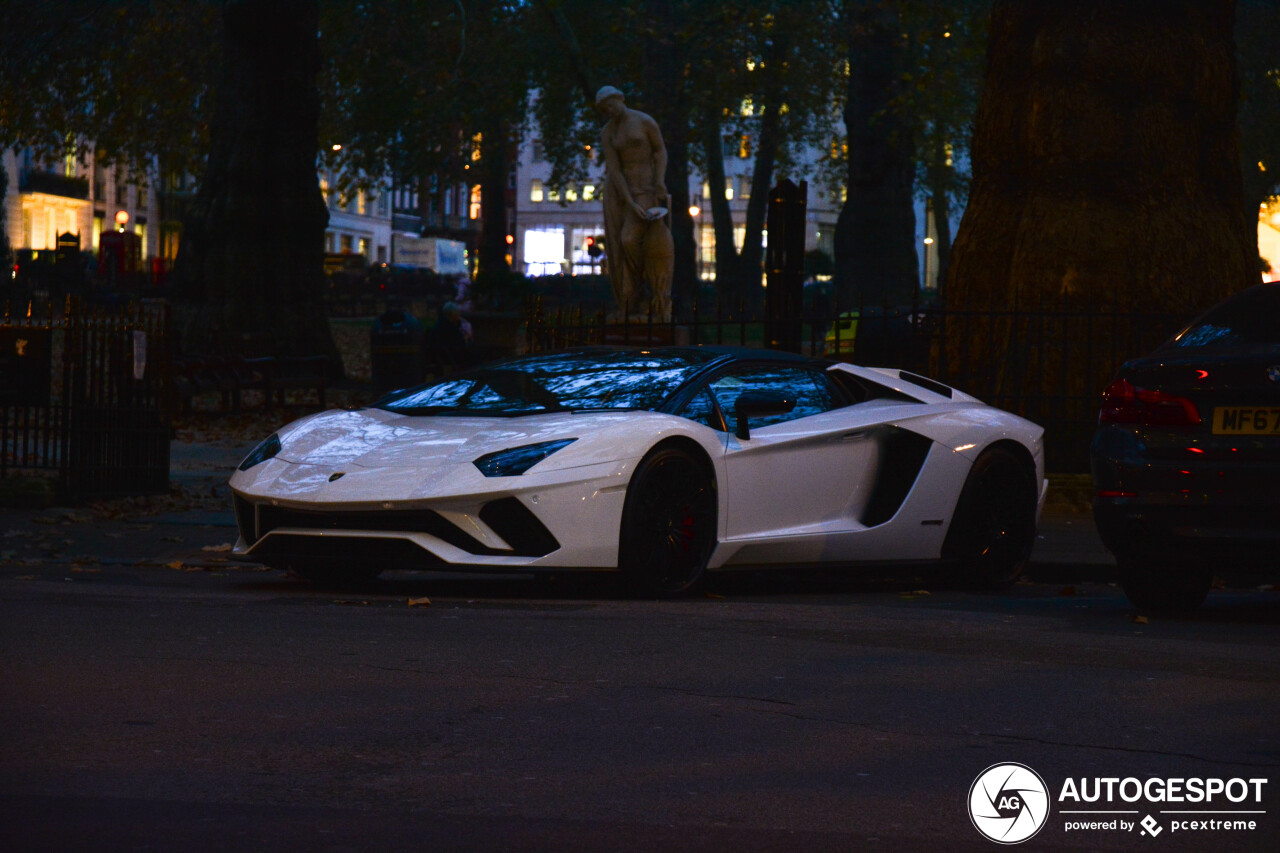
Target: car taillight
{"x": 1124, "y": 403}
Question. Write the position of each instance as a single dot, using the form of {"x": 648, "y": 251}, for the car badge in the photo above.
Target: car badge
{"x": 336, "y": 475}
{"x": 1273, "y": 373}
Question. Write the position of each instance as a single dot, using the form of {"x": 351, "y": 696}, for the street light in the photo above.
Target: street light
{"x": 928, "y": 241}
{"x": 694, "y": 210}
{"x": 122, "y": 219}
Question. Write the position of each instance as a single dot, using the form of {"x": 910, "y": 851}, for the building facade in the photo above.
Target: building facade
{"x": 557, "y": 227}
{"x": 83, "y": 198}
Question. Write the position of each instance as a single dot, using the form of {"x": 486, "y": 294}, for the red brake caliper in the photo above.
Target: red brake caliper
{"x": 686, "y": 529}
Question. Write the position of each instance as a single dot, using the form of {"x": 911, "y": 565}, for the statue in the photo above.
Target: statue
{"x": 637, "y": 239}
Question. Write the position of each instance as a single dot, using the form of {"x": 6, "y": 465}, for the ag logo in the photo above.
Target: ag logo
{"x": 1008, "y": 803}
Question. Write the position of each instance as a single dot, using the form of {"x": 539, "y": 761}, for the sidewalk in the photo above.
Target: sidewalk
{"x": 1067, "y": 543}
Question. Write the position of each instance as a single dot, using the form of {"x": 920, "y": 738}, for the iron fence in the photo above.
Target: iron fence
{"x": 84, "y": 397}
{"x": 1048, "y": 362}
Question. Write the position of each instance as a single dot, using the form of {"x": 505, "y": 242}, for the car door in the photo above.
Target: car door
{"x": 801, "y": 473}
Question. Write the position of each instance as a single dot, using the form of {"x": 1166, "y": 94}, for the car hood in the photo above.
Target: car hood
{"x": 375, "y": 438}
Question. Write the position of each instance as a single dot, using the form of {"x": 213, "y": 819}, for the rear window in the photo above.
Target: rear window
{"x": 1251, "y": 317}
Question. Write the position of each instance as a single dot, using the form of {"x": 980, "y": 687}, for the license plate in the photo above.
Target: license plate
{"x": 1238, "y": 420}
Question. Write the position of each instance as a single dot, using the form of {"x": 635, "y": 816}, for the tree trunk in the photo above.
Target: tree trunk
{"x": 668, "y": 103}
{"x": 875, "y": 249}
{"x": 6, "y": 253}
{"x": 940, "y": 176}
{"x": 721, "y": 214}
{"x": 750, "y": 266}
{"x": 495, "y": 170}
{"x": 252, "y": 256}
{"x": 1105, "y": 179}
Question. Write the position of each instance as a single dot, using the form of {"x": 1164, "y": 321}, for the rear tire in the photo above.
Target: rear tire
{"x": 668, "y": 524}
{"x": 1164, "y": 586}
{"x": 994, "y": 525}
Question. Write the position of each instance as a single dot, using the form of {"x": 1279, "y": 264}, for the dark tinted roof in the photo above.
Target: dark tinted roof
{"x": 1250, "y": 317}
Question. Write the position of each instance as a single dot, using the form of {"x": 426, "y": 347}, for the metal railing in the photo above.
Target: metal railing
{"x": 1048, "y": 363}
{"x": 84, "y": 397}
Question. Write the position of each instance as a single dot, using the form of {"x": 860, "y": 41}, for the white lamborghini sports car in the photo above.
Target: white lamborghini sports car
{"x": 663, "y": 464}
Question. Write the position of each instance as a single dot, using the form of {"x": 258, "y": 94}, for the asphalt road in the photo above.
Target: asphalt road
{"x": 154, "y": 708}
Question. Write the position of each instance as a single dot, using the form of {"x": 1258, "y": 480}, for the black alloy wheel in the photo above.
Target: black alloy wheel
{"x": 668, "y": 524}
{"x": 1163, "y": 585}
{"x": 994, "y": 525}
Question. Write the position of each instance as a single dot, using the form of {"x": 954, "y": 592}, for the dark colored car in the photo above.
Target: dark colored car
{"x": 1186, "y": 458}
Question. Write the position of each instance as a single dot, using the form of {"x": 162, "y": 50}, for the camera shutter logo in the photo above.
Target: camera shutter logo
{"x": 1008, "y": 803}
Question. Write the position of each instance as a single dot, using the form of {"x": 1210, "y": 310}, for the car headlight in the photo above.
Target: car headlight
{"x": 517, "y": 460}
{"x": 262, "y": 452}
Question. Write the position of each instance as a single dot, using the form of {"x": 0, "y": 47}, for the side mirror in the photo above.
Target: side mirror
{"x": 758, "y": 404}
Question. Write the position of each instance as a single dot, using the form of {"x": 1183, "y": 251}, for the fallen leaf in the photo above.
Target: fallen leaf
{"x": 420, "y": 602}
{"x": 1140, "y": 619}
{"x": 176, "y": 564}
{"x": 225, "y": 546}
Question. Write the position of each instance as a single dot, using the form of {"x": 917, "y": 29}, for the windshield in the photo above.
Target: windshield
{"x": 1252, "y": 317}
{"x": 556, "y": 382}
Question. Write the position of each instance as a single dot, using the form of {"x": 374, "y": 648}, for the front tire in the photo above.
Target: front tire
{"x": 994, "y": 525}
{"x": 668, "y": 524}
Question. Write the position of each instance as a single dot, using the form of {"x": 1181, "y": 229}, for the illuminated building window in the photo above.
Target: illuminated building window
{"x": 361, "y": 203}
{"x": 747, "y": 108}
{"x": 553, "y": 194}
{"x": 744, "y": 146}
{"x": 571, "y": 193}
{"x": 544, "y": 250}
{"x": 535, "y": 190}
{"x": 588, "y": 192}
{"x": 473, "y": 210}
